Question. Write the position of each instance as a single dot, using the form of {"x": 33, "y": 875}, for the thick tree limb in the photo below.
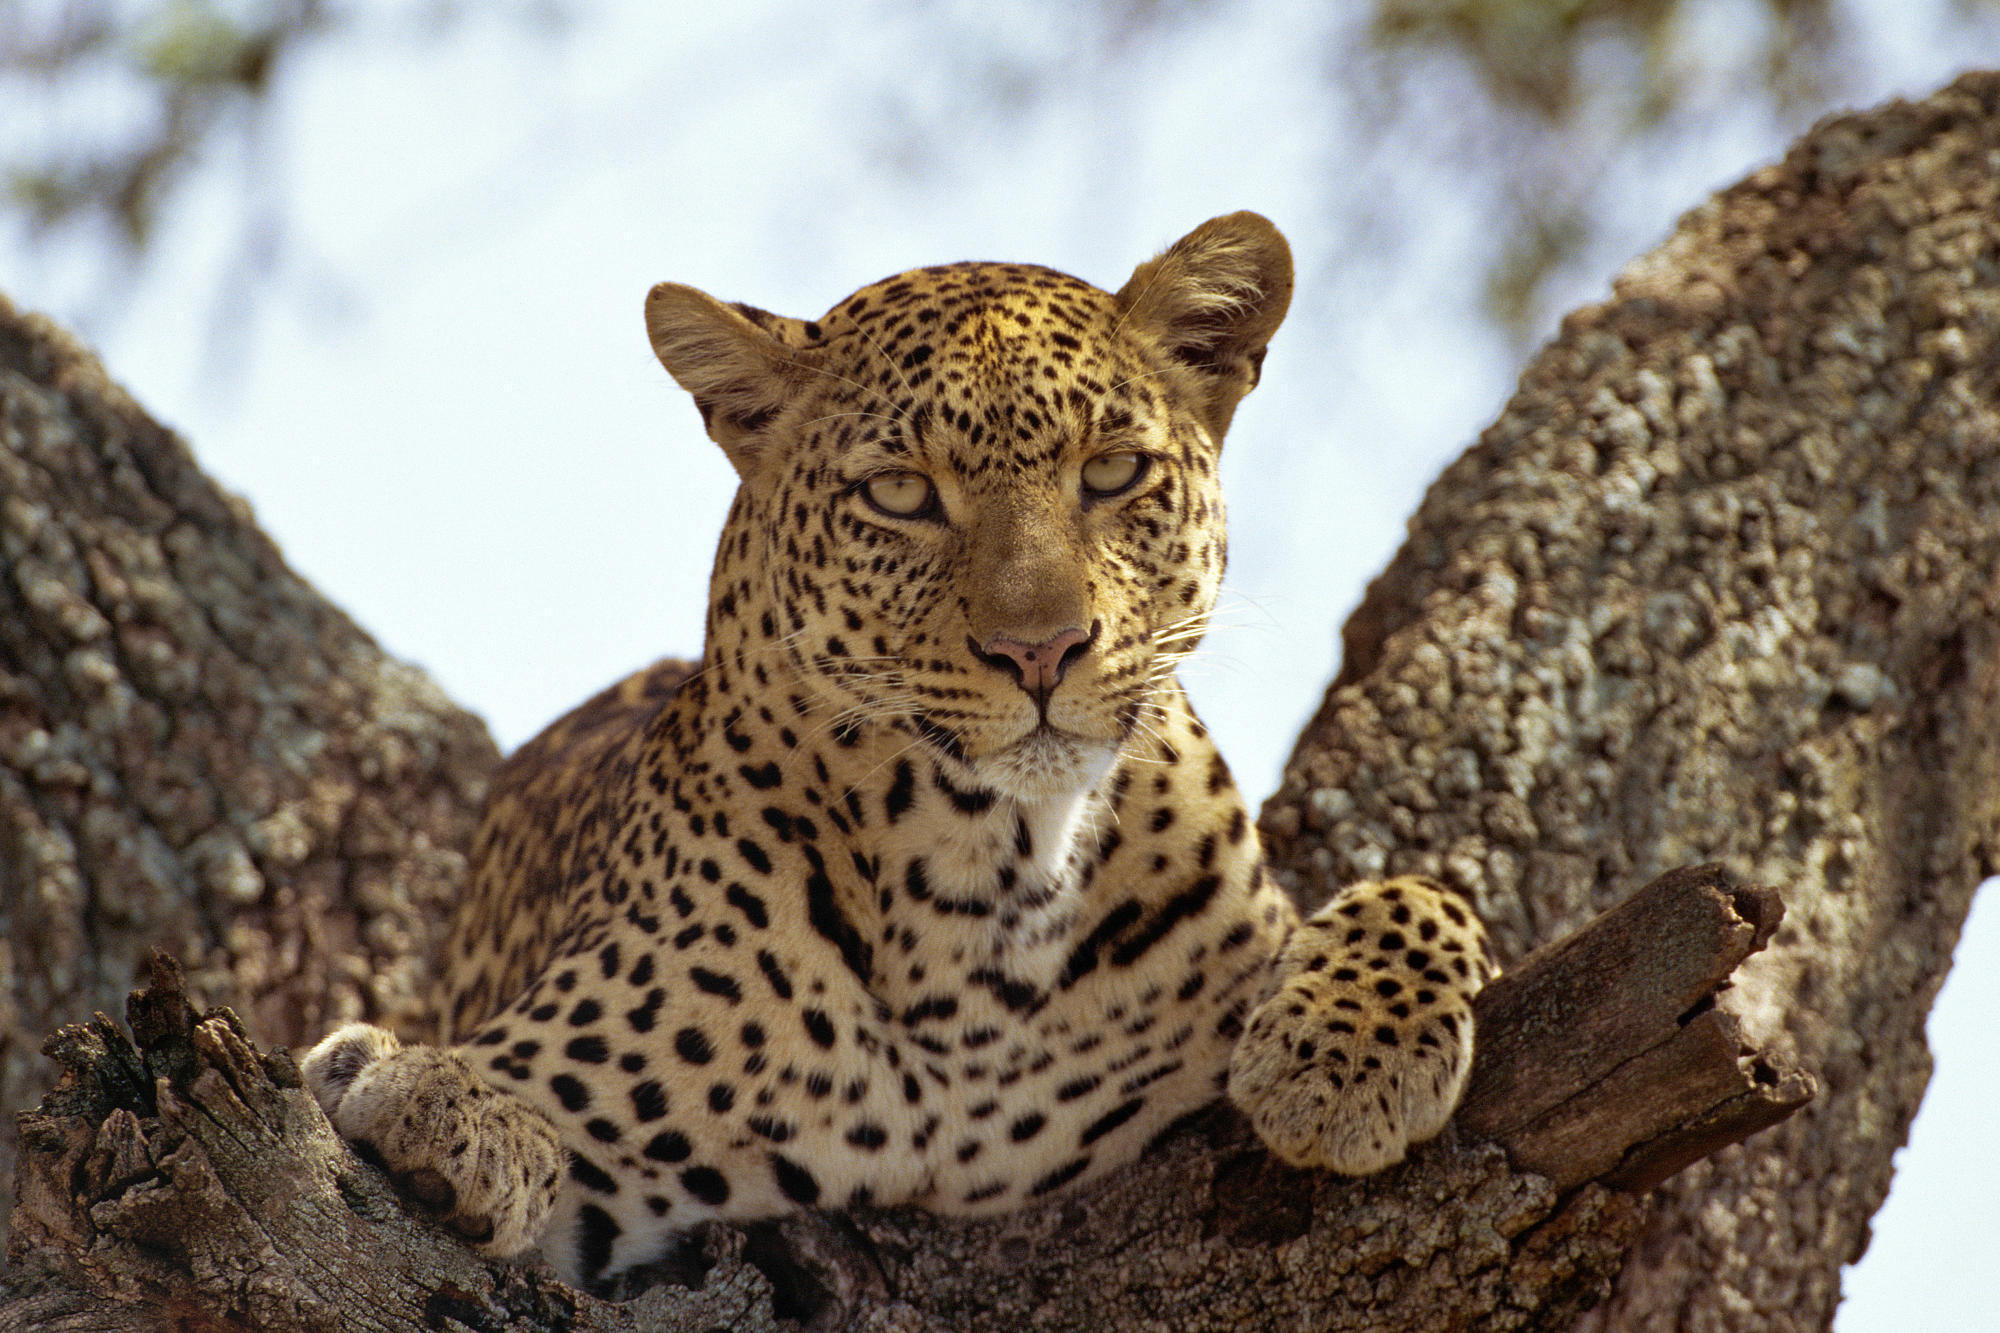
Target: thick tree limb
{"x": 192, "y": 1175}
{"x": 1721, "y": 585}
{"x": 1718, "y": 586}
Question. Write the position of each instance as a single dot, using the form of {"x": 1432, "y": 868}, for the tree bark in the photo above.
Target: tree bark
{"x": 1720, "y": 585}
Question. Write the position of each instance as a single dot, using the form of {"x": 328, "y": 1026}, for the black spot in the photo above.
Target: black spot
{"x": 1083, "y": 959}
{"x": 1189, "y": 902}
{"x": 649, "y": 1101}
{"x": 823, "y": 910}
{"x": 777, "y": 1131}
{"x": 796, "y": 1182}
{"x": 1018, "y": 996}
{"x": 932, "y": 1007}
{"x": 602, "y": 1130}
{"x": 759, "y": 860}
{"x": 867, "y": 1134}
{"x": 781, "y": 984}
{"x": 976, "y": 801}
{"x": 693, "y": 1046}
{"x": 591, "y": 1176}
{"x": 1027, "y": 1127}
{"x": 588, "y": 1050}
{"x": 1109, "y": 1121}
{"x": 762, "y": 778}
{"x": 643, "y": 1017}
{"x": 1059, "y": 1177}
{"x": 570, "y": 1092}
{"x": 1077, "y": 1087}
{"x": 819, "y": 1027}
{"x": 706, "y": 1184}
{"x": 721, "y": 1097}
{"x": 668, "y": 1146}
{"x": 902, "y": 791}
{"x": 749, "y": 904}
{"x": 596, "y": 1233}
{"x": 714, "y": 983}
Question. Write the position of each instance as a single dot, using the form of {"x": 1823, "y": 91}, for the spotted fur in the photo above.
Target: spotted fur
{"x": 927, "y": 886}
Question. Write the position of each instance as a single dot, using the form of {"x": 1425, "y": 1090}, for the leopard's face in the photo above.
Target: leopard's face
{"x": 980, "y": 503}
{"x": 989, "y": 458}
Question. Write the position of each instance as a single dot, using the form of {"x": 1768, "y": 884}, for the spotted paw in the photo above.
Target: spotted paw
{"x": 1364, "y": 1042}
{"x": 485, "y": 1164}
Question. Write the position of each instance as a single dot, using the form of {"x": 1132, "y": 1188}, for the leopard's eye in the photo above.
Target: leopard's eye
{"x": 1112, "y": 474}
{"x": 900, "y": 494}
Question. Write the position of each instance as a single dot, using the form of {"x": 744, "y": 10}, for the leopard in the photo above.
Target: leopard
{"x": 926, "y": 886}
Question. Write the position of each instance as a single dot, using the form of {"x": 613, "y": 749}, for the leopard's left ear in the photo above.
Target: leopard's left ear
{"x": 741, "y": 364}
{"x": 1214, "y": 298}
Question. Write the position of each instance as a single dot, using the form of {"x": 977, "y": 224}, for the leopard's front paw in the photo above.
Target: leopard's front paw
{"x": 1363, "y": 1047}
{"x": 488, "y": 1165}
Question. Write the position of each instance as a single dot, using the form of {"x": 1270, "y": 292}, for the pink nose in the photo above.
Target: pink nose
{"x": 1038, "y": 666}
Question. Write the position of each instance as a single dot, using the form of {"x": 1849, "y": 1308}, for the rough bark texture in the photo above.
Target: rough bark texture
{"x": 1719, "y": 585}
{"x": 1722, "y": 584}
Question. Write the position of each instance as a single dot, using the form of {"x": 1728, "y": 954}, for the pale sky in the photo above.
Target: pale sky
{"x": 444, "y": 408}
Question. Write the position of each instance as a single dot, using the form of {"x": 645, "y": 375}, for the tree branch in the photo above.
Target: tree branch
{"x": 1720, "y": 585}
{"x": 191, "y": 1174}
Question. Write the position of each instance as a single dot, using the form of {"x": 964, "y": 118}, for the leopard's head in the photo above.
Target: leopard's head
{"x": 979, "y": 504}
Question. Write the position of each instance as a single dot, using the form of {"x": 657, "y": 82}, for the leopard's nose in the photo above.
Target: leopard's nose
{"x": 1036, "y": 667}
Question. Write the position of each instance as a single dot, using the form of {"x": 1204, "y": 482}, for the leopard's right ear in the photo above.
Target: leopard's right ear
{"x": 741, "y": 364}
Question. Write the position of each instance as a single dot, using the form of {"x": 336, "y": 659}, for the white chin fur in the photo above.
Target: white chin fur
{"x": 1045, "y": 764}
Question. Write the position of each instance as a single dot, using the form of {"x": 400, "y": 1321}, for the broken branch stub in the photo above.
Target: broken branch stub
{"x": 1612, "y": 1054}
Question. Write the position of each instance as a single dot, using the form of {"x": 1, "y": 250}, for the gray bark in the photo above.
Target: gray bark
{"x": 1719, "y": 586}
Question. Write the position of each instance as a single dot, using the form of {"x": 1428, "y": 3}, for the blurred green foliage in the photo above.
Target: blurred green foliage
{"x": 166, "y": 80}
{"x": 1565, "y": 85}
